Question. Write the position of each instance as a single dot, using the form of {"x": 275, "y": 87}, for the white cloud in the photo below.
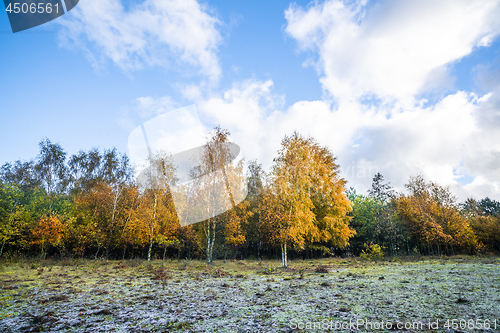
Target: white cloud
{"x": 390, "y": 53}
{"x": 483, "y": 153}
{"x": 167, "y": 33}
{"x": 172, "y": 132}
{"x": 246, "y": 110}
{"x": 481, "y": 187}
{"x": 393, "y": 49}
{"x": 430, "y": 141}
{"x": 148, "y": 107}
{"x": 439, "y": 142}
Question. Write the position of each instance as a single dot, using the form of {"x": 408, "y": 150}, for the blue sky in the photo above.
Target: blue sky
{"x": 52, "y": 91}
{"x": 399, "y": 87}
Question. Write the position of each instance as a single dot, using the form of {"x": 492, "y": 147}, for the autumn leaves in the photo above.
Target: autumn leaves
{"x": 305, "y": 200}
{"x": 90, "y": 205}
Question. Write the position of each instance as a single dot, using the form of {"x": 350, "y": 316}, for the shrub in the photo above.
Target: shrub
{"x": 160, "y": 274}
{"x": 372, "y": 252}
{"x": 321, "y": 269}
{"x": 219, "y": 273}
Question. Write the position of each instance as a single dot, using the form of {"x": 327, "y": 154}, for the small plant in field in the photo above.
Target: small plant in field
{"x": 160, "y": 274}
{"x": 219, "y": 273}
{"x": 372, "y": 252}
{"x": 267, "y": 270}
{"x": 183, "y": 326}
{"x": 321, "y": 269}
{"x": 120, "y": 265}
{"x": 395, "y": 259}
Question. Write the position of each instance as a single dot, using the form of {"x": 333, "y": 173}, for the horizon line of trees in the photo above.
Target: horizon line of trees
{"x": 89, "y": 205}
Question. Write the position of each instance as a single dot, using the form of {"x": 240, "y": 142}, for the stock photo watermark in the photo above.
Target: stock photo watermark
{"x": 204, "y": 181}
{"x": 359, "y": 176}
{"x": 374, "y": 325}
{"x": 26, "y": 14}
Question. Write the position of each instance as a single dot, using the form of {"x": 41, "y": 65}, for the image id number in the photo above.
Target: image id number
{"x": 32, "y": 8}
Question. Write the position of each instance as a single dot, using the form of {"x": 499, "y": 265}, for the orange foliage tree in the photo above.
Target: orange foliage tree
{"x": 484, "y": 218}
{"x": 431, "y": 213}
{"x": 155, "y": 213}
{"x": 306, "y": 200}
{"x": 49, "y": 231}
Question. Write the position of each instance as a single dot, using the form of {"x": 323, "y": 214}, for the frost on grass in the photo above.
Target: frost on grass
{"x": 193, "y": 297}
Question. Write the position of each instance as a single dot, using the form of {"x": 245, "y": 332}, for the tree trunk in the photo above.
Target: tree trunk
{"x": 150, "y": 247}
{"x": 210, "y": 241}
{"x": 95, "y": 257}
{"x": 1, "y": 249}
{"x": 286, "y": 256}
{"x": 163, "y": 260}
{"x": 283, "y": 255}
{"x": 259, "y": 242}
{"x": 212, "y": 244}
{"x": 208, "y": 245}
{"x": 115, "y": 202}
{"x": 151, "y": 236}
{"x": 42, "y": 255}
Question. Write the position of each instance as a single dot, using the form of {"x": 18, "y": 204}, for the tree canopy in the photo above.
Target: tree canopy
{"x": 89, "y": 205}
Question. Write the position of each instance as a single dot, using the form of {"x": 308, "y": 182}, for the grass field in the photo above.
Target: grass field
{"x": 457, "y": 294}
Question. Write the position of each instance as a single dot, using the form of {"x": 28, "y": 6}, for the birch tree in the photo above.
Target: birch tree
{"x": 51, "y": 167}
{"x": 213, "y": 191}
{"x": 306, "y": 200}
{"x": 156, "y": 204}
